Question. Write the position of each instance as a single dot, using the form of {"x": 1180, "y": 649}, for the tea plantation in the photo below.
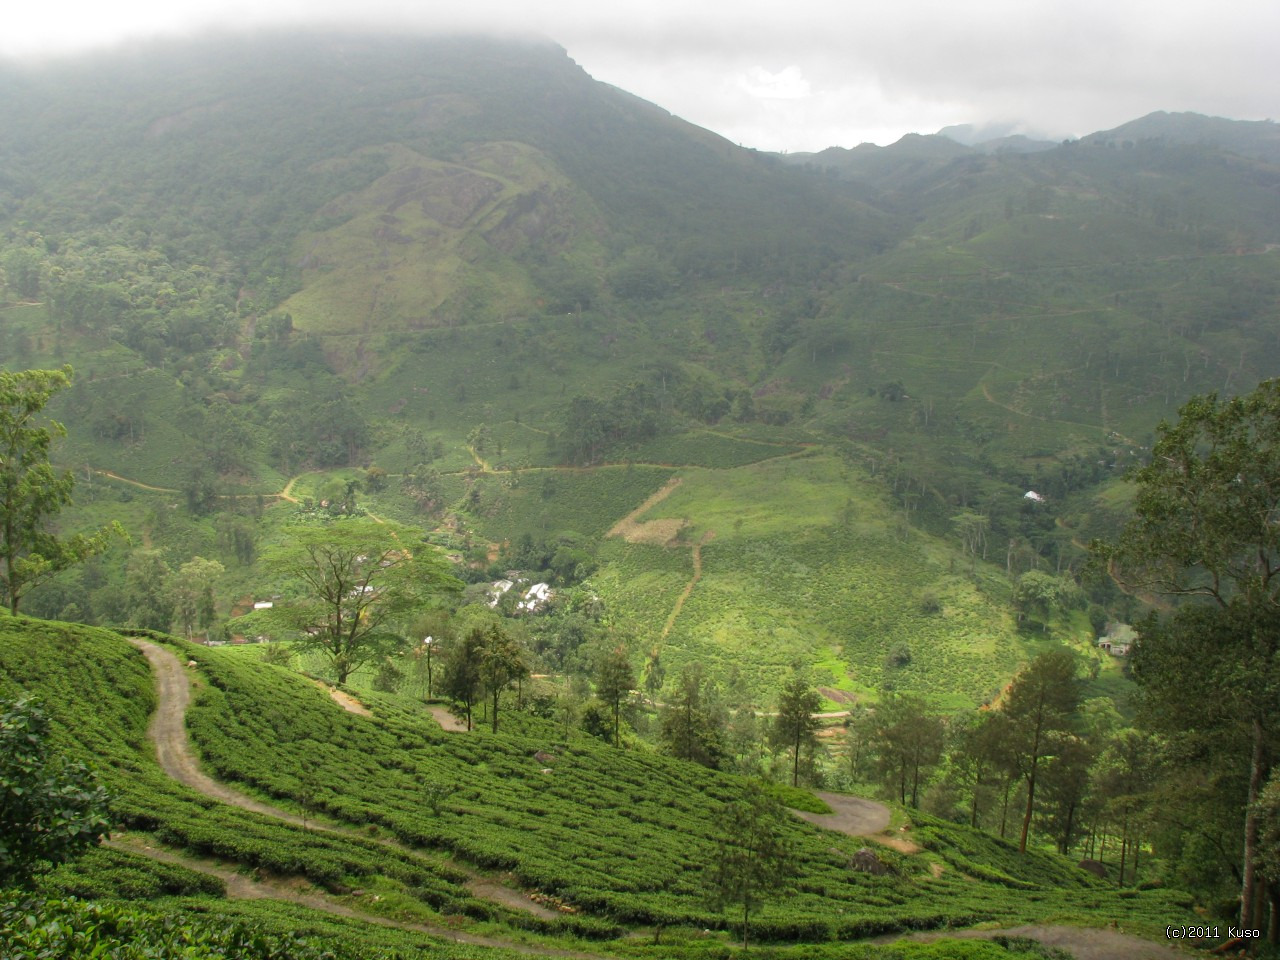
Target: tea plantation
{"x": 620, "y": 839}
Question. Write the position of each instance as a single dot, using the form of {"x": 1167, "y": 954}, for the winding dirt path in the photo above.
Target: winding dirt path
{"x": 133, "y": 483}
{"x": 1082, "y": 943}
{"x": 859, "y": 817}
{"x": 287, "y": 492}
{"x": 242, "y": 887}
{"x": 688, "y": 587}
{"x": 446, "y": 719}
{"x": 168, "y": 732}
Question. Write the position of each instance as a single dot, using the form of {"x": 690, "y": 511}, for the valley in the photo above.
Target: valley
{"x": 539, "y": 487}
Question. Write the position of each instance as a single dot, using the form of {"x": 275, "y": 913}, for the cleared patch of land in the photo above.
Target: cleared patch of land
{"x": 657, "y": 532}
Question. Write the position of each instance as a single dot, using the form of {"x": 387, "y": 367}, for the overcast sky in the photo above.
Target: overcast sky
{"x": 806, "y": 74}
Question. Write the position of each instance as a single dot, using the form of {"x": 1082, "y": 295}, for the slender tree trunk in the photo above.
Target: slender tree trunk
{"x": 1066, "y": 833}
{"x": 1273, "y": 925}
{"x": 1257, "y": 773}
{"x": 973, "y": 806}
{"x": 1260, "y": 902}
{"x": 1026, "y": 817}
{"x": 795, "y": 762}
{"x": 496, "y": 693}
{"x": 1031, "y": 778}
{"x": 1124, "y": 844}
{"x": 915, "y": 781}
{"x": 1004, "y": 808}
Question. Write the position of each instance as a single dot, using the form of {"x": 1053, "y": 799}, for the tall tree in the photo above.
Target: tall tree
{"x": 1041, "y": 704}
{"x": 148, "y": 597}
{"x": 693, "y": 721}
{"x": 501, "y": 662}
{"x": 981, "y": 749}
{"x": 1125, "y": 777}
{"x": 1066, "y": 784}
{"x": 353, "y": 580}
{"x": 192, "y": 589}
{"x": 654, "y": 673}
{"x": 752, "y": 858}
{"x": 1205, "y": 527}
{"x": 796, "y": 724}
{"x": 32, "y": 493}
{"x": 461, "y": 680}
{"x": 908, "y": 740}
{"x": 615, "y": 680}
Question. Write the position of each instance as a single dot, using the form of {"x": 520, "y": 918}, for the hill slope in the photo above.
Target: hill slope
{"x": 467, "y": 263}
{"x": 616, "y": 834}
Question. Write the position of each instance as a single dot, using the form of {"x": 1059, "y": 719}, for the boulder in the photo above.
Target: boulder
{"x": 867, "y": 861}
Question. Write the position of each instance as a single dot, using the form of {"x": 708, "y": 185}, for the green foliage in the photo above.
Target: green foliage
{"x": 69, "y": 666}
{"x": 623, "y": 835}
{"x": 193, "y": 598}
{"x": 242, "y": 292}
{"x": 614, "y": 681}
{"x": 32, "y": 493}
{"x": 706, "y": 448}
{"x": 107, "y": 873}
{"x": 908, "y": 740}
{"x": 795, "y": 727}
{"x": 693, "y": 720}
{"x": 354, "y": 580}
{"x": 752, "y": 859}
{"x": 75, "y": 929}
{"x": 149, "y": 602}
{"x": 50, "y": 810}
{"x": 1041, "y": 702}
{"x": 1203, "y": 527}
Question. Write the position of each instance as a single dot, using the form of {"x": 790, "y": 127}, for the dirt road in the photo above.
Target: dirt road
{"x": 855, "y": 816}
{"x": 1083, "y": 943}
{"x": 168, "y": 732}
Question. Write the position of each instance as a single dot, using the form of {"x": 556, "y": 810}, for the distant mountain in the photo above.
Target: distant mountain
{"x": 259, "y": 145}
{"x": 997, "y": 137}
{"x": 468, "y": 263}
{"x": 1258, "y": 139}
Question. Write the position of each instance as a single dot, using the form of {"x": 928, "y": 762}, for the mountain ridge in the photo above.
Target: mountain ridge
{"x": 473, "y": 267}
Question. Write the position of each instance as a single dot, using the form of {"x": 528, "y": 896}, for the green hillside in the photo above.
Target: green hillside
{"x": 621, "y": 839}
{"x": 529, "y": 299}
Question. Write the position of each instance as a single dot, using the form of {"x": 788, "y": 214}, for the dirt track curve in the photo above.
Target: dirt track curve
{"x": 169, "y": 733}
{"x": 1083, "y": 943}
{"x": 852, "y": 815}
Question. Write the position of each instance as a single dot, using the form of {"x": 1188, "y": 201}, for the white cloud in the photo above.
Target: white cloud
{"x": 794, "y": 77}
{"x": 787, "y": 84}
